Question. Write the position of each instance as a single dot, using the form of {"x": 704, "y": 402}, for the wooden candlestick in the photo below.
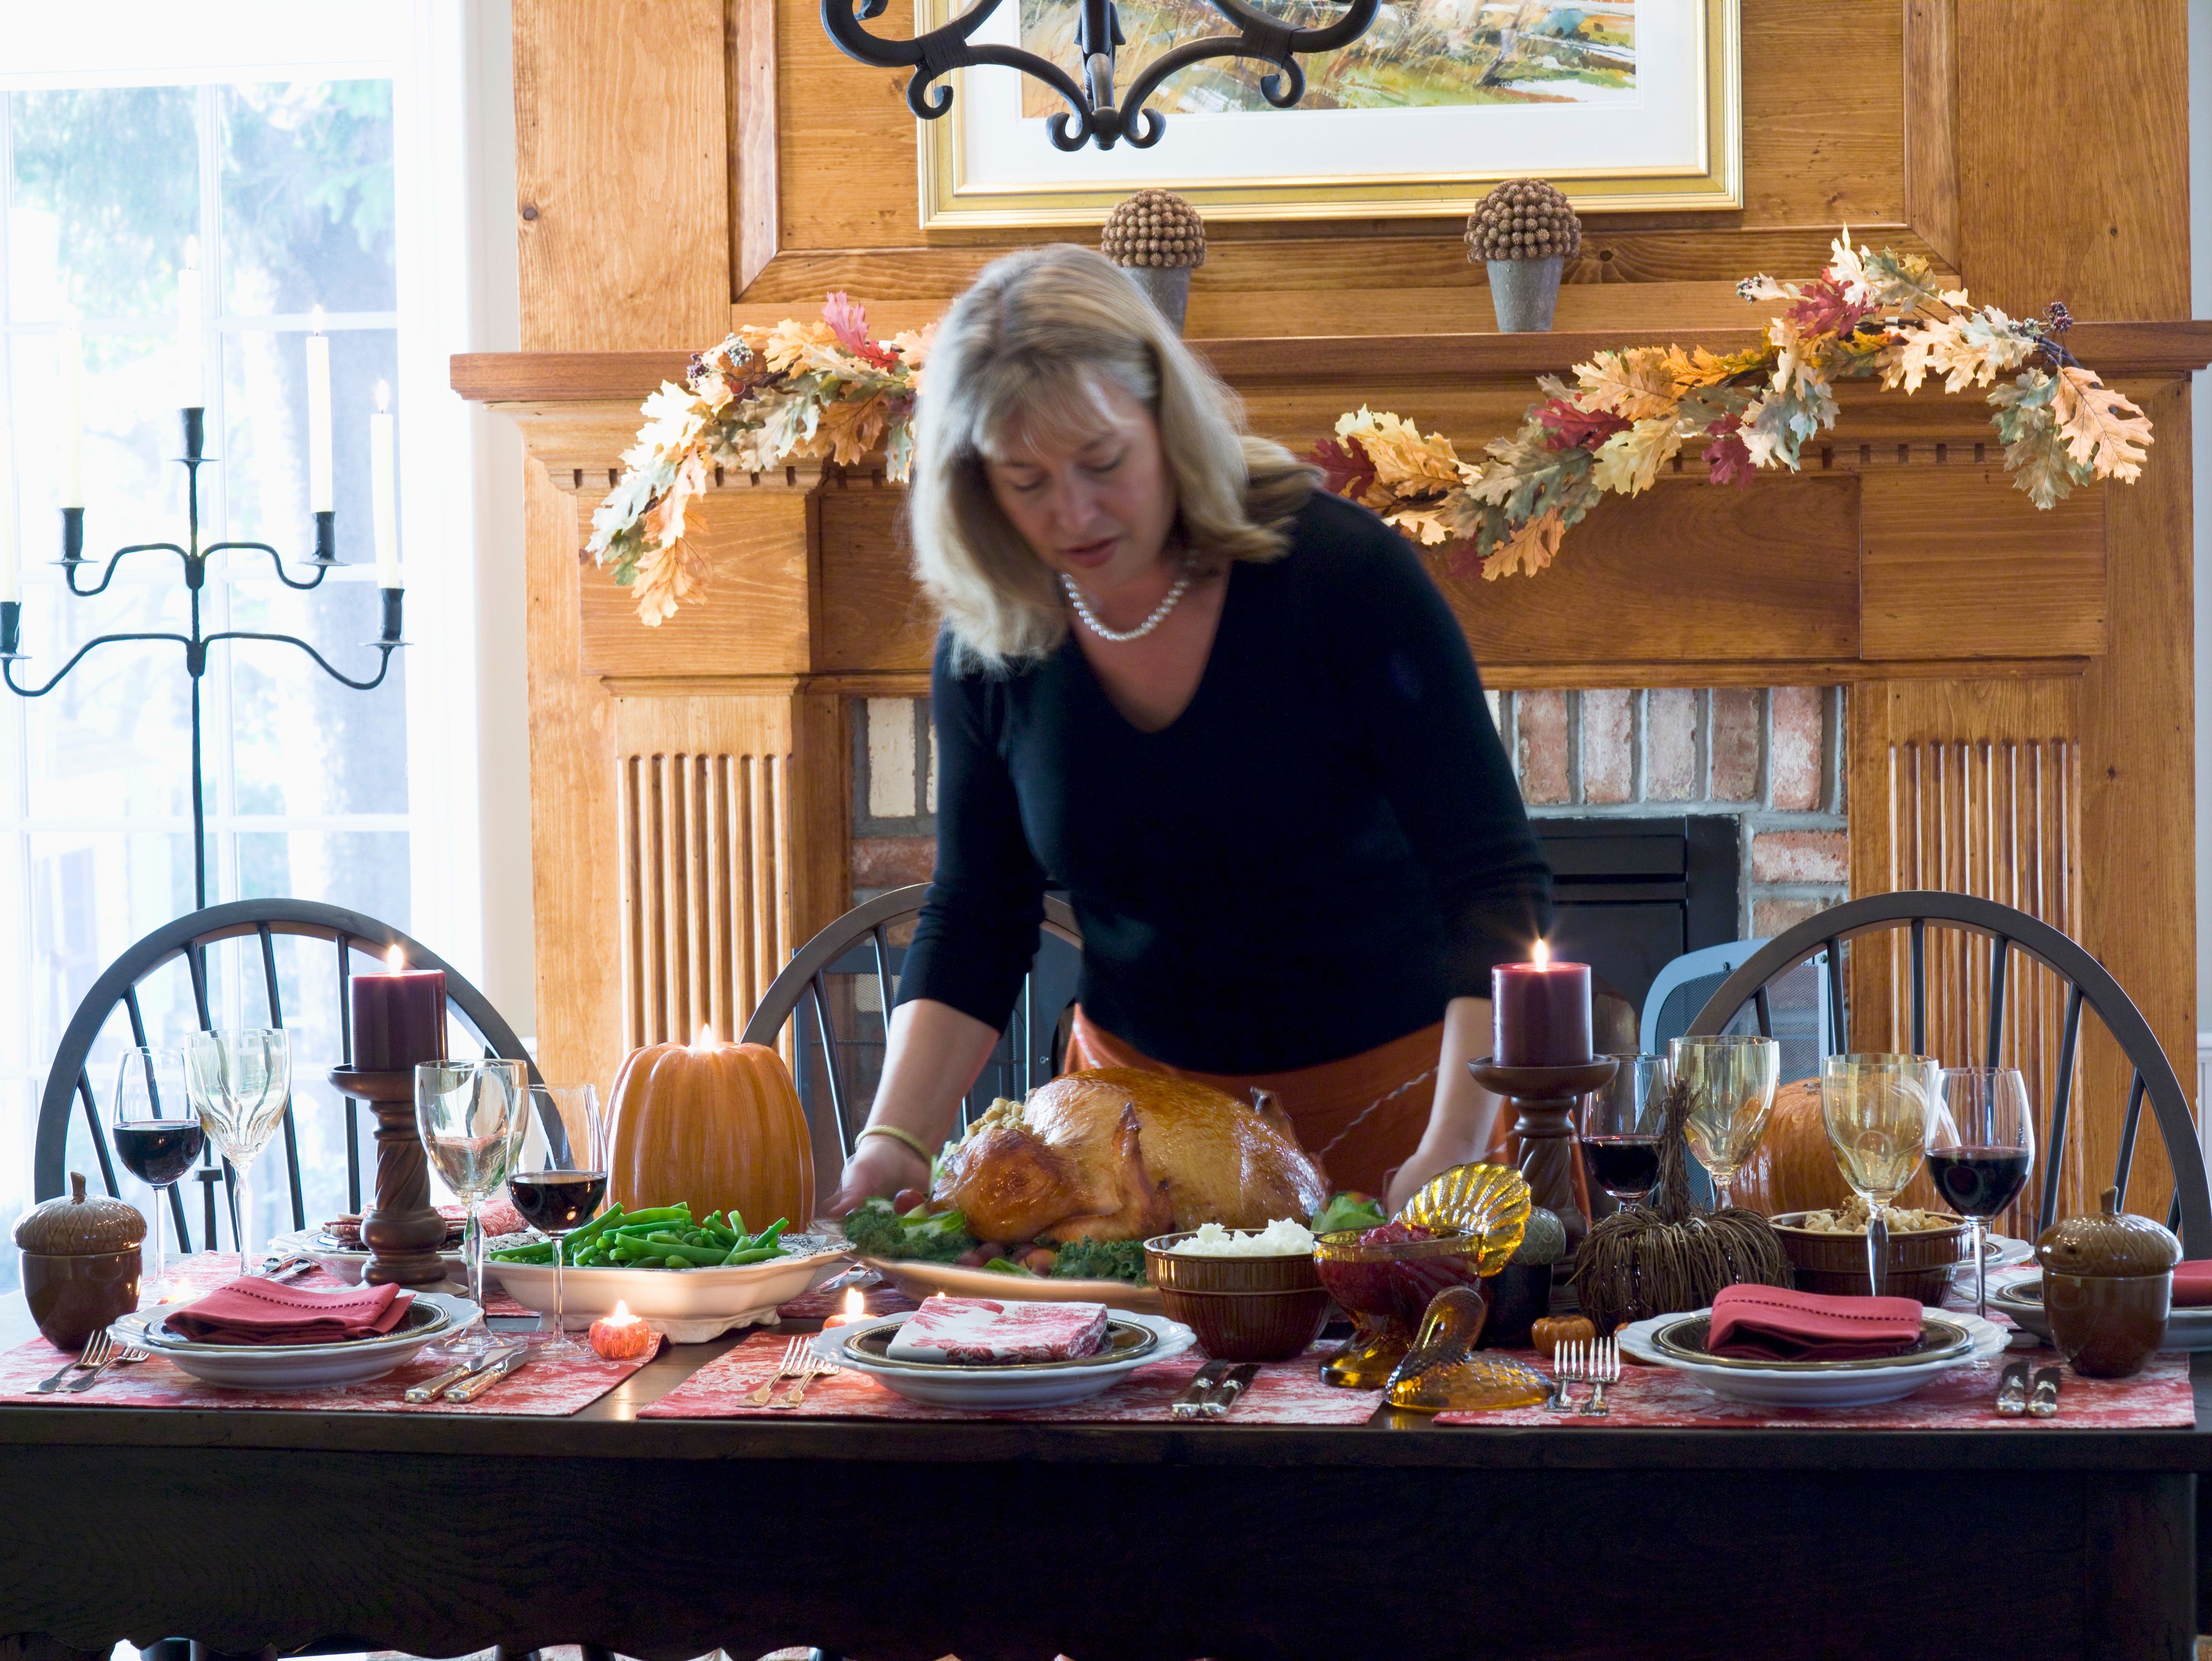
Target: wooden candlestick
{"x": 403, "y": 1235}
{"x": 1544, "y": 1100}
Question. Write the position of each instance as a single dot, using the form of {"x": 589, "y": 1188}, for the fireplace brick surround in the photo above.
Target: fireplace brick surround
{"x": 1772, "y": 759}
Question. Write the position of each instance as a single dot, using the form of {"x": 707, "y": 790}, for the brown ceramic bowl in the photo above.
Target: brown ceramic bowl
{"x": 1243, "y": 1309}
{"x": 72, "y": 1297}
{"x": 1920, "y": 1264}
{"x": 2106, "y": 1326}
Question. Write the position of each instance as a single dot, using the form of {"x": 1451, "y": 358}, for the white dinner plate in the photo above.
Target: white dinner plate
{"x": 676, "y": 1295}
{"x": 1001, "y": 1389}
{"x": 1841, "y": 1385}
{"x": 434, "y": 1316}
{"x": 2189, "y": 1329}
{"x": 952, "y": 1280}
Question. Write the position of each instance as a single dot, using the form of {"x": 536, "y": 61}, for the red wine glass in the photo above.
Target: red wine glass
{"x": 560, "y": 1177}
{"x": 1980, "y": 1152}
{"x": 1619, "y": 1128}
{"x": 158, "y": 1137}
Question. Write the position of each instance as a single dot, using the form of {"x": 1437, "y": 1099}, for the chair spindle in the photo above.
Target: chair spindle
{"x": 291, "y": 1131}
{"x": 2123, "y": 1167}
{"x": 2062, "y": 1099}
{"x": 2000, "y": 951}
{"x": 1765, "y": 1009}
{"x": 1840, "y": 1042}
{"x": 1919, "y": 986}
{"x": 829, "y": 1062}
{"x": 345, "y": 1056}
{"x": 99, "y": 1131}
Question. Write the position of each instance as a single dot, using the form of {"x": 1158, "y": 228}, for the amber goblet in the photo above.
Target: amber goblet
{"x": 1386, "y": 1286}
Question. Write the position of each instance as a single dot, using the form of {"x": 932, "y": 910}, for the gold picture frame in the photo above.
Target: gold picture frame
{"x": 1033, "y": 183}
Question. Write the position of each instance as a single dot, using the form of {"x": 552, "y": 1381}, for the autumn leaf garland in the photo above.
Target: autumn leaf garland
{"x": 1631, "y": 411}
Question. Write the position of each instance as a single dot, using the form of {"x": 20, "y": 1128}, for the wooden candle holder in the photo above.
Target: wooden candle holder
{"x": 1543, "y": 1099}
{"x": 404, "y": 1237}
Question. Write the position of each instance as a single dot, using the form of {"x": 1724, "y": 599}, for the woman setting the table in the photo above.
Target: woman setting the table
{"x": 1229, "y": 713}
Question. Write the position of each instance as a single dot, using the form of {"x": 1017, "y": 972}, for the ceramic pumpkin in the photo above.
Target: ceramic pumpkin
{"x": 717, "y": 1124}
{"x": 1794, "y": 1167}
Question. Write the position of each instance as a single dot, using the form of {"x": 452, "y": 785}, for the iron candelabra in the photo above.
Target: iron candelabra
{"x": 194, "y": 557}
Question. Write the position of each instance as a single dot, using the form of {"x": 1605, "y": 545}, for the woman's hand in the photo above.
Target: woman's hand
{"x": 880, "y": 1165}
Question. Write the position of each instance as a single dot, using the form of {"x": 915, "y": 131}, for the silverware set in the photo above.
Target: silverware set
{"x": 1214, "y": 1391}
{"x": 801, "y": 1365}
{"x": 2017, "y": 1397}
{"x": 470, "y": 1377}
{"x": 1592, "y": 1361}
{"x": 102, "y": 1353}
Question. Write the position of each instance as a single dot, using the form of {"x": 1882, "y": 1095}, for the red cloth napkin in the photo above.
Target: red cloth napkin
{"x": 1766, "y": 1323}
{"x": 2192, "y": 1284}
{"x": 250, "y": 1311}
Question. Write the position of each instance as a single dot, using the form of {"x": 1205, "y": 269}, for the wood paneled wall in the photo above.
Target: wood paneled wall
{"x": 2021, "y": 722}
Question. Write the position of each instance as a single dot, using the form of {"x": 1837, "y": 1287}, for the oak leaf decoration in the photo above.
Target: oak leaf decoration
{"x": 2102, "y": 428}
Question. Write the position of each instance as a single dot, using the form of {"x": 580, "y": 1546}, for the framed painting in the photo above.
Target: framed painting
{"x": 1624, "y": 105}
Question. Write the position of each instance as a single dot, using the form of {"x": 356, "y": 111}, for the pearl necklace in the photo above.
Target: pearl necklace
{"x": 1120, "y": 636}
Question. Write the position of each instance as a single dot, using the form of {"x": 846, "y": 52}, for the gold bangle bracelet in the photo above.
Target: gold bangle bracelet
{"x": 900, "y": 1135}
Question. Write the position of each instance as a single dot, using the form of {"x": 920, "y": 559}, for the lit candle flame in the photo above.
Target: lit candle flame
{"x": 1543, "y": 955}
{"x": 855, "y": 1305}
{"x": 315, "y": 320}
{"x": 622, "y": 1317}
{"x": 395, "y": 960}
{"x": 383, "y": 397}
{"x": 706, "y": 1039}
{"x": 191, "y": 253}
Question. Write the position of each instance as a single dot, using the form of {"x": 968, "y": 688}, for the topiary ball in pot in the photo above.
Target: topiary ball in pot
{"x": 1526, "y": 232}
{"x": 1159, "y": 239}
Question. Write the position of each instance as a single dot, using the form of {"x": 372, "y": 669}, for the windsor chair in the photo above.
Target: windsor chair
{"x": 2087, "y": 986}
{"x": 848, "y": 973}
{"x": 186, "y": 944}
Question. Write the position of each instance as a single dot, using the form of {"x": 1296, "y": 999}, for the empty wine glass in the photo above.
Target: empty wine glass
{"x": 559, "y": 1179}
{"x": 1878, "y": 1110}
{"x": 157, "y": 1136}
{"x": 1620, "y": 1125}
{"x": 470, "y": 1114}
{"x": 240, "y": 1080}
{"x": 1980, "y": 1152}
{"x": 1731, "y": 1079}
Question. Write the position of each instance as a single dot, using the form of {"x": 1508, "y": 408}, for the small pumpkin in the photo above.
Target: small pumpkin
{"x": 1794, "y": 1166}
{"x": 718, "y": 1125}
{"x": 1549, "y": 1333}
{"x": 622, "y": 1336}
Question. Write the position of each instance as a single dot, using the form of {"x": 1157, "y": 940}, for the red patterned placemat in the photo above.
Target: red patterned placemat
{"x": 1284, "y": 1393}
{"x": 2158, "y": 1398}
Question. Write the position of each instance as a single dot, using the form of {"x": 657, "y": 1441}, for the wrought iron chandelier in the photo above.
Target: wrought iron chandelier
{"x": 1097, "y": 118}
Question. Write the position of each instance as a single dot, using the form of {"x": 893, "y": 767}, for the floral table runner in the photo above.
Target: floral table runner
{"x": 1283, "y": 1393}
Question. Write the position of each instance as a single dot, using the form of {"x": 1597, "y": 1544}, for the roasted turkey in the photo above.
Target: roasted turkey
{"x": 1116, "y": 1153}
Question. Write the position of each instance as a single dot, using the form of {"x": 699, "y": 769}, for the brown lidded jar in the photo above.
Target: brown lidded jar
{"x": 80, "y": 1264}
{"x": 2107, "y": 1286}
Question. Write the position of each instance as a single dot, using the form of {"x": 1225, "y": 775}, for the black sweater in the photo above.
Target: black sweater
{"x": 1324, "y": 847}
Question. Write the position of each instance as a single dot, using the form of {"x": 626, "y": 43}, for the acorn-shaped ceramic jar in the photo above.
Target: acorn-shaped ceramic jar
{"x": 2107, "y": 1285}
{"x": 80, "y": 1264}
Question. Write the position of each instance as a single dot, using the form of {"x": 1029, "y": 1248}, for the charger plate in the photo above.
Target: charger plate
{"x": 431, "y": 1317}
{"x": 1799, "y": 1384}
{"x": 1001, "y": 1388}
{"x": 1686, "y": 1338}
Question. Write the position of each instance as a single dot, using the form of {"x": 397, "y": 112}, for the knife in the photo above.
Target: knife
{"x": 429, "y": 1389}
{"x": 1191, "y": 1403}
{"x": 512, "y": 1361}
{"x": 1217, "y": 1405}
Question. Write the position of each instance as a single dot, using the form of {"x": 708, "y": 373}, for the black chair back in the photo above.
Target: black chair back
{"x": 187, "y": 943}
{"x": 2001, "y": 934}
{"x": 847, "y": 980}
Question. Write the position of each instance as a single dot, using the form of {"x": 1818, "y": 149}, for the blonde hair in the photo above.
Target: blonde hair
{"x": 1020, "y": 357}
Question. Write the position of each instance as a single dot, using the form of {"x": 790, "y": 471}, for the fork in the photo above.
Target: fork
{"x": 1567, "y": 1365}
{"x": 94, "y": 1356}
{"x": 811, "y": 1366}
{"x": 122, "y": 1355}
{"x": 794, "y": 1356}
{"x": 1603, "y": 1368}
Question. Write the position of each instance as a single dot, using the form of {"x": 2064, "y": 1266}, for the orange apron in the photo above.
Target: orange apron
{"x": 1361, "y": 1116}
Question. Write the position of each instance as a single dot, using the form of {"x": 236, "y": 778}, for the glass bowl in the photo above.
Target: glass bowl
{"x": 1386, "y": 1286}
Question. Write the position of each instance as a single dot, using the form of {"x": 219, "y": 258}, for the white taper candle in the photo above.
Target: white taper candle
{"x": 319, "y": 418}
{"x": 73, "y": 377}
{"x": 192, "y": 378}
{"x": 382, "y": 496}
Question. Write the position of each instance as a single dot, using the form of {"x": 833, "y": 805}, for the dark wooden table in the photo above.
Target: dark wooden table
{"x": 665, "y": 1539}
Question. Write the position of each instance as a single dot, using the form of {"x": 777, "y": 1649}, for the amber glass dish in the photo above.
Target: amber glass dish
{"x": 1386, "y": 1289}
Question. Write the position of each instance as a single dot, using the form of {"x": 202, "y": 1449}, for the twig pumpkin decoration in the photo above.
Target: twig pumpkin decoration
{"x": 1667, "y": 1257}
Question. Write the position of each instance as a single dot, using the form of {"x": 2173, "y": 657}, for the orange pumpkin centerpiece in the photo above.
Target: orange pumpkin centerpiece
{"x": 1794, "y": 1166}
{"x": 717, "y": 1124}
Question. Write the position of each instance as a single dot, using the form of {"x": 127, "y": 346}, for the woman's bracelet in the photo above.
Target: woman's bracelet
{"x": 900, "y": 1135}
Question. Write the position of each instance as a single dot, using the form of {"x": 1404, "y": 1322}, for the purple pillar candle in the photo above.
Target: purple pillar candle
{"x": 1540, "y": 1013}
{"x": 398, "y": 1017}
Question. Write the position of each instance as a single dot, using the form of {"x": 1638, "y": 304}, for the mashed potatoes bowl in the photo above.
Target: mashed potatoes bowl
{"x": 1242, "y": 1308}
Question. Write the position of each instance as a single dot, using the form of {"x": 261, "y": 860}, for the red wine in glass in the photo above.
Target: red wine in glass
{"x": 157, "y": 1151}
{"x": 1626, "y": 1167}
{"x": 556, "y": 1201}
{"x": 1978, "y": 1182}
